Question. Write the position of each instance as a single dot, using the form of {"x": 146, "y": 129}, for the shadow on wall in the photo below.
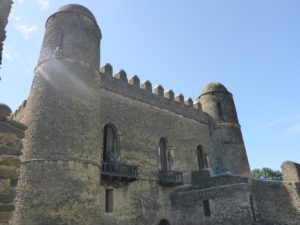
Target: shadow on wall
{"x": 276, "y": 203}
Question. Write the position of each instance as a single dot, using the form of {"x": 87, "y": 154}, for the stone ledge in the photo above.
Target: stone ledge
{"x": 7, "y": 128}
{"x": 8, "y": 172}
{"x": 6, "y": 150}
{"x": 7, "y": 207}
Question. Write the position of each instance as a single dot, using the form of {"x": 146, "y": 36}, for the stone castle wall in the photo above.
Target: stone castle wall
{"x": 290, "y": 171}
{"x": 11, "y": 134}
{"x": 141, "y": 119}
{"x": 276, "y": 203}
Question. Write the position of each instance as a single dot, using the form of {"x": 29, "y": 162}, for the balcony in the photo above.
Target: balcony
{"x": 170, "y": 177}
{"x": 117, "y": 171}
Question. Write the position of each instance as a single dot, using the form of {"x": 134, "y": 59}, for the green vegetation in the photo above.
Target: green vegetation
{"x": 267, "y": 173}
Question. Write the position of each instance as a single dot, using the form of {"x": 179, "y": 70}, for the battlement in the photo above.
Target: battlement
{"x": 19, "y": 112}
{"x": 157, "y": 96}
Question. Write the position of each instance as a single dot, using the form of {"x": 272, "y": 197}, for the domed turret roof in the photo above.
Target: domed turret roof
{"x": 214, "y": 87}
{"x": 4, "y": 111}
{"x": 77, "y": 8}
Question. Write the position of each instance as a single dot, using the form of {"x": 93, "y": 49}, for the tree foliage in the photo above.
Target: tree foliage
{"x": 267, "y": 173}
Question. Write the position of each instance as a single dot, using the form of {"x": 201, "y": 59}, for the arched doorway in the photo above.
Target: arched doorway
{"x": 164, "y": 222}
{"x": 109, "y": 141}
{"x": 202, "y": 158}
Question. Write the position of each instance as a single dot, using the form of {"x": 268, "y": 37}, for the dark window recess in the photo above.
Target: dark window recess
{"x": 163, "y": 154}
{"x": 252, "y": 208}
{"x": 220, "y": 113}
{"x": 206, "y": 207}
{"x": 164, "y": 222}
{"x": 109, "y": 142}
{"x": 202, "y": 158}
{"x": 109, "y": 200}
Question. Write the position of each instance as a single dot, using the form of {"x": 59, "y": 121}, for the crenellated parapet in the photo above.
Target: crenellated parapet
{"x": 157, "y": 96}
{"x": 19, "y": 112}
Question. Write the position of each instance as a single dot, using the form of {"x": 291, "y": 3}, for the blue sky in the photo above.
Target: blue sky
{"x": 252, "y": 47}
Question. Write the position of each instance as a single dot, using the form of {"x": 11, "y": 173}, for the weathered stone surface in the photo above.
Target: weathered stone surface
{"x": 8, "y": 171}
{"x": 9, "y": 142}
{"x": 10, "y": 160}
{"x": 276, "y": 203}
{"x": 6, "y": 207}
{"x": 5, "y": 111}
{"x": 290, "y": 171}
{"x": 70, "y": 106}
{"x": 7, "y": 128}
{"x": 5, "y": 217}
{"x": 6, "y": 150}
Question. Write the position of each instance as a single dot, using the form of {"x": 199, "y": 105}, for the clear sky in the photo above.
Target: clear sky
{"x": 252, "y": 47}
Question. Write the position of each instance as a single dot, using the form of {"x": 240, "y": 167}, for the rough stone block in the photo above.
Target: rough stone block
{"x": 7, "y": 172}
{"x": 122, "y": 76}
{"x": 169, "y": 94}
{"x": 179, "y": 98}
{"x": 107, "y": 70}
{"x": 290, "y": 171}
{"x": 147, "y": 86}
{"x": 159, "y": 90}
{"x": 10, "y": 160}
{"x": 135, "y": 81}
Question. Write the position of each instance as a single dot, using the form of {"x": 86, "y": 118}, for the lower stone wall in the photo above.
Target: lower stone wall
{"x": 11, "y": 134}
{"x": 276, "y": 203}
{"x": 228, "y": 205}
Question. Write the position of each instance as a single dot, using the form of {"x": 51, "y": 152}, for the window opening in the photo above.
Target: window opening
{"x": 206, "y": 207}
{"x": 109, "y": 200}
{"x": 202, "y": 158}
{"x": 109, "y": 144}
{"x": 163, "y": 154}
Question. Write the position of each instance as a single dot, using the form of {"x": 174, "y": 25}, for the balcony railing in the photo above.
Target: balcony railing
{"x": 170, "y": 177}
{"x": 119, "y": 171}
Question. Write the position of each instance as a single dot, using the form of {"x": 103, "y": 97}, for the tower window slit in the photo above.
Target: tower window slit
{"x": 109, "y": 200}
{"x": 206, "y": 207}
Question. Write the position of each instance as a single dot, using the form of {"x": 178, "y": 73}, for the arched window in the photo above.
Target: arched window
{"x": 163, "y": 145}
{"x": 164, "y": 222}
{"x": 109, "y": 141}
{"x": 202, "y": 158}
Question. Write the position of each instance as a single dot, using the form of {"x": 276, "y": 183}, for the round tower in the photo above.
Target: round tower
{"x": 229, "y": 153}
{"x": 59, "y": 175}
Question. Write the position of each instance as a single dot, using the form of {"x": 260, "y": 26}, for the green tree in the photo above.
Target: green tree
{"x": 267, "y": 173}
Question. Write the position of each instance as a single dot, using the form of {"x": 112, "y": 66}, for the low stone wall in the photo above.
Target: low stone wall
{"x": 228, "y": 205}
{"x": 11, "y": 135}
{"x": 276, "y": 203}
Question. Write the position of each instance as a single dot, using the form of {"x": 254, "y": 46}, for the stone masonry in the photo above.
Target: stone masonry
{"x": 104, "y": 149}
{"x": 11, "y": 134}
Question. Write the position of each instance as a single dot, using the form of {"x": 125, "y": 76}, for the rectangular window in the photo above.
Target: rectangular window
{"x": 206, "y": 207}
{"x": 109, "y": 200}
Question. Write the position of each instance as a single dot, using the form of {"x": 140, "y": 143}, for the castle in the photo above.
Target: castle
{"x": 102, "y": 149}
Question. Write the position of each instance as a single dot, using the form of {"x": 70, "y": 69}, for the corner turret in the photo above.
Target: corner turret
{"x": 73, "y": 33}
{"x": 229, "y": 153}
{"x": 59, "y": 174}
